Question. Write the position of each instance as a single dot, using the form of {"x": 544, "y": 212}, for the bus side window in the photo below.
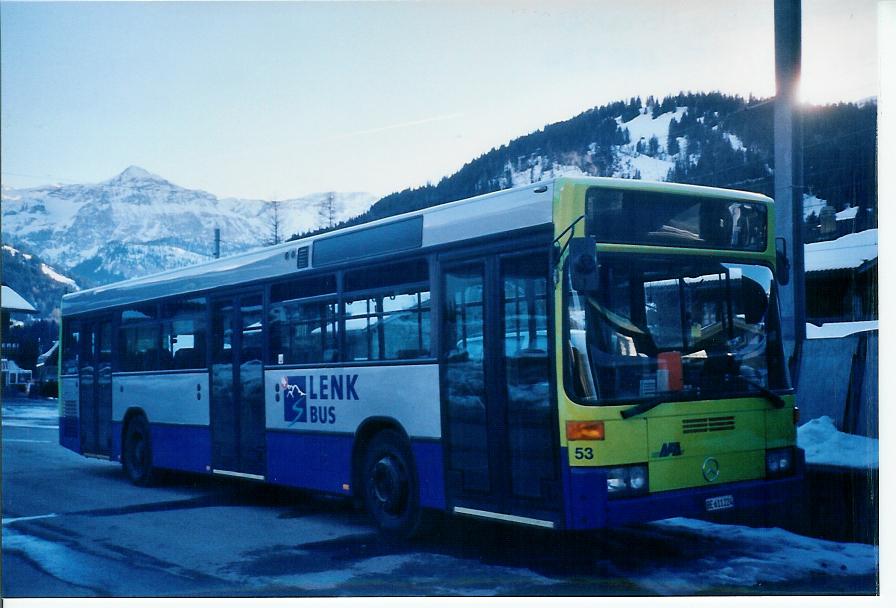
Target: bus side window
{"x": 184, "y": 334}
{"x": 302, "y": 321}
{"x": 139, "y": 339}
{"x": 71, "y": 348}
{"x": 388, "y": 316}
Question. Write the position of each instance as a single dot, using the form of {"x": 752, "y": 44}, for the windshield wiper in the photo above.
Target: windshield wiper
{"x": 772, "y": 397}
{"x": 731, "y": 368}
{"x": 646, "y": 406}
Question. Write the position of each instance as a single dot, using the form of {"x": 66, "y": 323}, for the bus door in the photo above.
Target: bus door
{"x": 237, "y": 397}
{"x": 500, "y": 434}
{"x": 95, "y": 387}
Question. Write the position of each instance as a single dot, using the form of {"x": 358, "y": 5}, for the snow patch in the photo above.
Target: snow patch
{"x": 648, "y": 167}
{"x": 47, "y": 270}
{"x": 824, "y": 444}
{"x": 643, "y": 126}
{"x": 746, "y": 556}
{"x": 735, "y": 141}
{"x": 14, "y": 252}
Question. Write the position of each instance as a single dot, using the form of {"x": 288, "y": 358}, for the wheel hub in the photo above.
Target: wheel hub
{"x": 389, "y": 483}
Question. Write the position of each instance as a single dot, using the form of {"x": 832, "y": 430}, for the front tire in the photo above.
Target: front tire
{"x": 391, "y": 488}
{"x": 136, "y": 457}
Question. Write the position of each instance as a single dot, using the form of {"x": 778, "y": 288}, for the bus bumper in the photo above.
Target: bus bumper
{"x": 590, "y": 508}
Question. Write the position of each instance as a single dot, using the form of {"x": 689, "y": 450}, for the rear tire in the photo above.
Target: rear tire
{"x": 391, "y": 487}
{"x": 136, "y": 457}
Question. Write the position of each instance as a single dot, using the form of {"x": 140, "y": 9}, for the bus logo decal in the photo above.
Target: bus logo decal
{"x": 671, "y": 448}
{"x": 294, "y": 399}
{"x": 711, "y": 469}
{"x": 304, "y": 396}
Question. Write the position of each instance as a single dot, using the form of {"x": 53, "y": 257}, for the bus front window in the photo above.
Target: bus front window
{"x": 688, "y": 327}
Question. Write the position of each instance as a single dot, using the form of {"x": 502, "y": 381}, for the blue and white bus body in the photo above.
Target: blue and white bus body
{"x": 317, "y": 451}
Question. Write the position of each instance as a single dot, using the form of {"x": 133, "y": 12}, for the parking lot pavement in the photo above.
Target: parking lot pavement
{"x": 75, "y": 527}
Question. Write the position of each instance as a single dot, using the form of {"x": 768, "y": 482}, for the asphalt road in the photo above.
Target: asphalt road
{"x": 75, "y": 527}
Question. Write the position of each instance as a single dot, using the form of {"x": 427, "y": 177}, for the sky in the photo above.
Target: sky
{"x": 277, "y": 100}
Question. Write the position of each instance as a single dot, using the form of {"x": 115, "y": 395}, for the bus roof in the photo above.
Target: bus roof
{"x": 497, "y": 212}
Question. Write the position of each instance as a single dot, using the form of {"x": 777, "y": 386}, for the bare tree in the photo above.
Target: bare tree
{"x": 327, "y": 213}
{"x": 274, "y": 222}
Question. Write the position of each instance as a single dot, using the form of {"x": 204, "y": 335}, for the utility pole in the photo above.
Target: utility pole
{"x": 789, "y": 176}
{"x": 217, "y": 243}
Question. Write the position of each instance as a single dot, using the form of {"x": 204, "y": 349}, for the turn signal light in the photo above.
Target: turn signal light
{"x": 585, "y": 430}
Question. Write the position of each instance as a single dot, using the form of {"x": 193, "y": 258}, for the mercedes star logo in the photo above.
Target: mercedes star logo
{"x": 710, "y": 469}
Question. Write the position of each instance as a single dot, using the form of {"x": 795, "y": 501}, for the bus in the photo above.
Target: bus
{"x": 575, "y": 354}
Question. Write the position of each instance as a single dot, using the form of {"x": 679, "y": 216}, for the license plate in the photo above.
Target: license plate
{"x": 719, "y": 503}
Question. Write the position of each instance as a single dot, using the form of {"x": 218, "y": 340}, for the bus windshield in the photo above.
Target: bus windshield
{"x": 689, "y": 328}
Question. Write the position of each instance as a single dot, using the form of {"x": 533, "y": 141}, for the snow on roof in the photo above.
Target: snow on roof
{"x": 847, "y": 214}
{"x": 848, "y": 251}
{"x": 839, "y": 330}
{"x": 824, "y": 444}
{"x": 13, "y": 302}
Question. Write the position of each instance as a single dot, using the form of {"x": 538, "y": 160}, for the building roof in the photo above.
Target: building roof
{"x": 847, "y": 252}
{"x": 11, "y": 301}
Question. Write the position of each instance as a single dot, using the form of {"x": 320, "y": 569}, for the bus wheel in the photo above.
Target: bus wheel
{"x": 136, "y": 456}
{"x": 390, "y": 486}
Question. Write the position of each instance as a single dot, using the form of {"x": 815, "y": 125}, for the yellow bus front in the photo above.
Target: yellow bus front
{"x": 673, "y": 393}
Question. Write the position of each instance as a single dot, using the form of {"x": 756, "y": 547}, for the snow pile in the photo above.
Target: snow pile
{"x": 742, "y": 556}
{"x": 824, "y": 444}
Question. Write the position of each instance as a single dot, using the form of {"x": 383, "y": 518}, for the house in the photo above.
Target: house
{"x": 841, "y": 278}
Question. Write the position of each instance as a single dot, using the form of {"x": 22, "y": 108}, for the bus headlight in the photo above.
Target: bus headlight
{"x": 779, "y": 462}
{"x": 627, "y": 481}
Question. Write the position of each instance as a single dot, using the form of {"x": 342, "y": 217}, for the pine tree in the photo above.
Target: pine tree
{"x": 672, "y": 147}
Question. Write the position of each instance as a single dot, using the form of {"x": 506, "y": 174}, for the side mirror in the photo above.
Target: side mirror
{"x": 782, "y": 263}
{"x": 583, "y": 263}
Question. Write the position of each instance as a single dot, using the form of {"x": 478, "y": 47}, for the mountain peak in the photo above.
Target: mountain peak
{"x": 134, "y": 174}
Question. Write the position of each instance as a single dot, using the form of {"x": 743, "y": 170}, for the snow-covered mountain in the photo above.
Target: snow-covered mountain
{"x": 137, "y": 223}
{"x": 711, "y": 139}
{"x": 39, "y": 283}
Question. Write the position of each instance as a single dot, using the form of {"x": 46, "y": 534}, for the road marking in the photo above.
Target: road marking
{"x": 26, "y": 441}
{"x": 12, "y": 520}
